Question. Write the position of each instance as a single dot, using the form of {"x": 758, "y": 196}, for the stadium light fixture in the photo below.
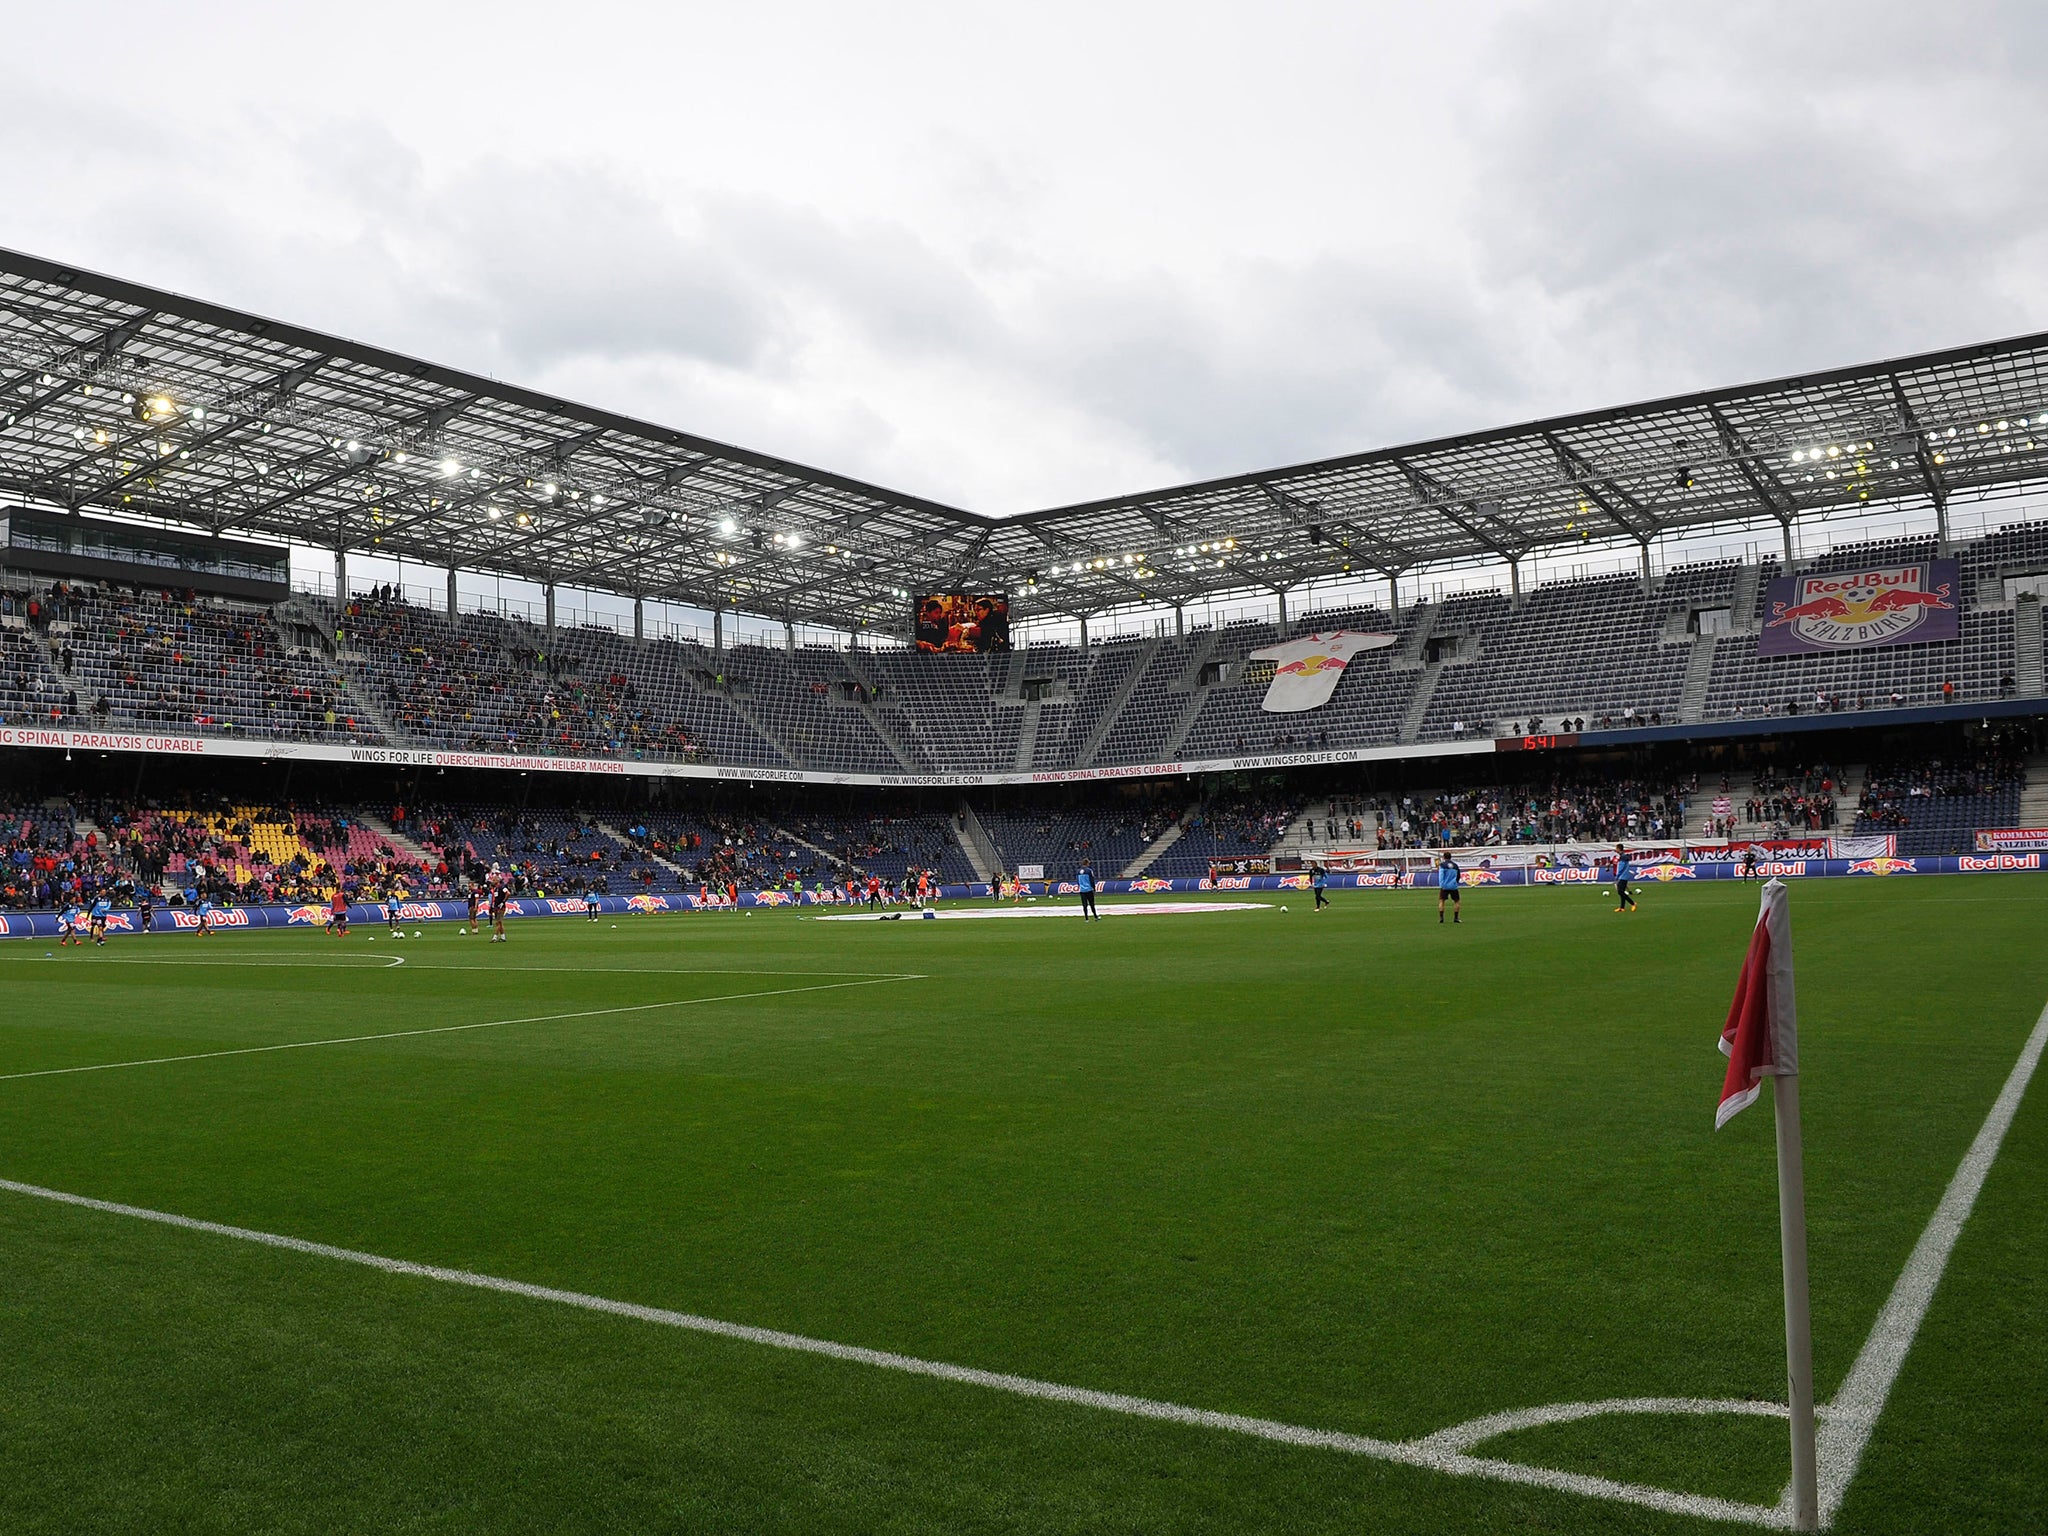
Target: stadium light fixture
{"x": 728, "y": 527}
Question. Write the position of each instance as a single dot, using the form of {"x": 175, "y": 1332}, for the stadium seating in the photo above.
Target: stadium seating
{"x": 1599, "y": 649}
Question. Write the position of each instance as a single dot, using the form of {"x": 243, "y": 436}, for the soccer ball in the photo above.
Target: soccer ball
{"x": 415, "y": 933}
{"x": 615, "y": 925}
{"x": 1283, "y": 906}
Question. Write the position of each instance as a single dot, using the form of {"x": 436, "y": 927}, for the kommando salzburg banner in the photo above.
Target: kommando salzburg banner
{"x": 1847, "y": 610}
{"x": 2013, "y": 840}
{"x": 1306, "y": 671}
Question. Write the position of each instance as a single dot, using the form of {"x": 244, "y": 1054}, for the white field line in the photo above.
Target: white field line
{"x": 454, "y": 1029}
{"x": 381, "y": 962}
{"x": 1845, "y": 1424}
{"x": 1846, "y": 1430}
{"x": 1409, "y": 1453}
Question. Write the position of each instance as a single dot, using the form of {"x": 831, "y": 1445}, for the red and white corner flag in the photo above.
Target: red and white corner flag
{"x": 1760, "y": 1040}
{"x": 1761, "y": 1037}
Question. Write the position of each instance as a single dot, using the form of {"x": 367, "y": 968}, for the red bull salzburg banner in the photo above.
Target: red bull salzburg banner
{"x": 1848, "y": 610}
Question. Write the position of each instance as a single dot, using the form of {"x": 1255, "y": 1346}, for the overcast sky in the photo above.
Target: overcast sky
{"x": 1018, "y": 256}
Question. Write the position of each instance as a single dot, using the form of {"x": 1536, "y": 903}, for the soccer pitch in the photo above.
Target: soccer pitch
{"x": 1352, "y": 1173}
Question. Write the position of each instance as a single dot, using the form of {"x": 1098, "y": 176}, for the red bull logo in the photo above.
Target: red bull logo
{"x": 562, "y": 907}
{"x": 1482, "y": 877}
{"x": 1878, "y": 606}
{"x": 5, "y": 930}
{"x": 1665, "y": 873}
{"x": 1782, "y": 867}
{"x": 773, "y": 898}
{"x": 119, "y": 922}
{"x": 1381, "y": 878}
{"x": 1309, "y": 666}
{"x": 1565, "y": 876}
{"x": 1882, "y": 866}
{"x": 419, "y": 911}
{"x": 1293, "y": 883}
{"x": 309, "y": 916}
{"x": 1151, "y": 884}
{"x": 1981, "y": 864}
{"x": 646, "y": 903}
{"x": 223, "y": 917}
{"x": 1066, "y": 888}
{"x": 1233, "y": 883}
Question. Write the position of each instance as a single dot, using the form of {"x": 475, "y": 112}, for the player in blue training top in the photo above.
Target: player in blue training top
{"x": 1623, "y": 873}
{"x": 1449, "y": 887}
{"x": 69, "y": 923}
{"x": 205, "y": 917}
{"x": 100, "y": 908}
{"x": 1084, "y": 877}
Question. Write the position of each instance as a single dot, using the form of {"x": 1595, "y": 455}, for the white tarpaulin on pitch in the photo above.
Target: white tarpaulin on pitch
{"x": 1306, "y": 671}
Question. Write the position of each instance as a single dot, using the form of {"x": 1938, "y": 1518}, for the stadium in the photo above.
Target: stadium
{"x": 763, "y": 1180}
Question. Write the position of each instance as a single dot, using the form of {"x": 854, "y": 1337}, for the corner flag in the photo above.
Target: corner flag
{"x": 1760, "y": 1040}
{"x": 1761, "y": 1037}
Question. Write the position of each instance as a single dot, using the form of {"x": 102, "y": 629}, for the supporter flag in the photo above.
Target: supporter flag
{"x": 1761, "y": 1039}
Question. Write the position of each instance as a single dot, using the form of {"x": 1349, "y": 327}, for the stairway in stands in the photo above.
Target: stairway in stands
{"x": 1158, "y": 845}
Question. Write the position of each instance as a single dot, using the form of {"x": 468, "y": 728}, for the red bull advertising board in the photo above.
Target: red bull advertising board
{"x": 1848, "y": 610}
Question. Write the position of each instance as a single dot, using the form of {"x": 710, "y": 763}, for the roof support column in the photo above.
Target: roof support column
{"x": 717, "y": 630}
{"x": 639, "y": 618}
{"x": 1280, "y": 597}
{"x": 451, "y": 594}
{"x": 550, "y": 589}
{"x": 340, "y": 577}
{"x": 1180, "y": 622}
{"x": 788, "y": 638}
{"x": 1394, "y": 593}
{"x": 1084, "y": 634}
{"x": 1786, "y": 524}
{"x": 1645, "y": 543}
{"x": 1515, "y": 580}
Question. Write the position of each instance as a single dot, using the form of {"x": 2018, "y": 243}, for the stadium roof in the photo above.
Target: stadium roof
{"x": 124, "y": 399}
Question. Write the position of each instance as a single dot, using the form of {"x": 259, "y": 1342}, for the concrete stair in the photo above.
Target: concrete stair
{"x": 670, "y": 865}
{"x": 2028, "y": 666}
{"x": 1157, "y": 846}
{"x": 975, "y": 842}
{"x": 1699, "y": 671}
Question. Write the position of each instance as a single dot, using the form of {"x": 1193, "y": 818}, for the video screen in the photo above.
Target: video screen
{"x": 963, "y": 622}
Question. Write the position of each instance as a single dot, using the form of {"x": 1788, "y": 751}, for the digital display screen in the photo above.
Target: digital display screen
{"x": 963, "y": 622}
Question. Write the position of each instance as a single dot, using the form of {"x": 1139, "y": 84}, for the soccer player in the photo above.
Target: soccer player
{"x": 206, "y": 917}
{"x": 1449, "y": 887}
{"x": 1319, "y": 882}
{"x": 476, "y": 904}
{"x": 391, "y": 901}
{"x": 337, "y": 914}
{"x": 497, "y": 914}
{"x": 1085, "y": 878}
{"x": 69, "y": 921}
{"x": 100, "y": 908}
{"x": 924, "y": 887}
{"x": 1623, "y": 873}
{"x": 874, "y": 890}
{"x": 590, "y": 905}
{"x": 145, "y": 909}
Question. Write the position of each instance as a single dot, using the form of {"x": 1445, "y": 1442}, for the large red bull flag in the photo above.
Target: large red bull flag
{"x": 1761, "y": 1037}
{"x": 1306, "y": 671}
{"x": 1846, "y": 610}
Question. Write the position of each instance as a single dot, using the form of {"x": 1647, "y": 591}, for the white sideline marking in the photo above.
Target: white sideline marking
{"x": 1414, "y": 1453}
{"x": 454, "y": 1029}
{"x": 1107, "y": 909}
{"x": 1845, "y": 1425}
{"x": 381, "y": 962}
{"x": 1846, "y": 1430}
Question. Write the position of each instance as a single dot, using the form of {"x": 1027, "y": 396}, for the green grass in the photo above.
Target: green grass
{"x": 1353, "y": 1171}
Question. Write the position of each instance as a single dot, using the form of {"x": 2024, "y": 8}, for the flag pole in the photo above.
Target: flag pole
{"x": 1784, "y": 1012}
{"x": 1798, "y": 1318}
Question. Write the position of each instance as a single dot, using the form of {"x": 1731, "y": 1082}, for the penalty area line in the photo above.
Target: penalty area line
{"x": 456, "y": 1029}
